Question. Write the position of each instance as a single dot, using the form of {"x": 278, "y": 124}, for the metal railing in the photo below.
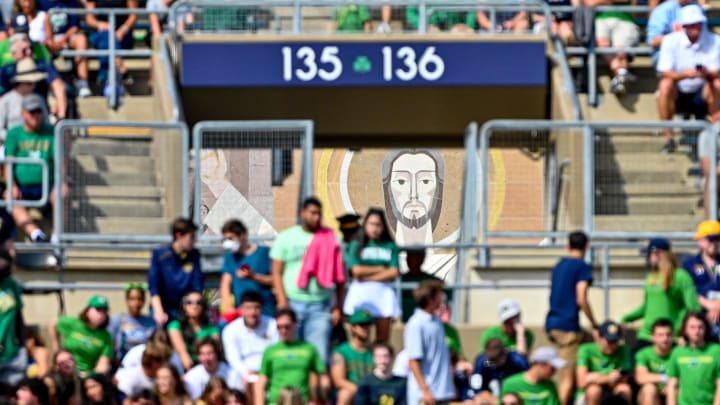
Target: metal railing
{"x": 9, "y": 201}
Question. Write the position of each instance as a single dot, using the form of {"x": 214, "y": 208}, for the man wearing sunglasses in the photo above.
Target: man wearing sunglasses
{"x": 704, "y": 268}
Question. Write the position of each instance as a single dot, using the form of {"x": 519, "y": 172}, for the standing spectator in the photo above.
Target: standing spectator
{"x": 288, "y": 363}
{"x": 669, "y": 292}
{"x": 603, "y": 368}
{"x": 123, "y": 35}
{"x": 704, "y": 269}
{"x": 209, "y": 354}
{"x": 306, "y": 264}
{"x": 13, "y": 357}
{"x": 375, "y": 388}
{"x": 169, "y": 387}
{"x": 63, "y": 381}
{"x": 492, "y": 368}
{"x": 28, "y": 13}
{"x": 131, "y": 328}
{"x": 246, "y": 267}
{"x": 651, "y": 364}
{"x": 65, "y": 33}
{"x": 570, "y": 281}
{"x": 133, "y": 380}
{"x": 511, "y": 331}
{"x": 35, "y": 138}
{"x": 349, "y": 225}
{"x": 159, "y": 342}
{"x": 353, "y": 359}
{"x": 245, "y": 339}
{"x": 192, "y": 326}
{"x": 98, "y": 390}
{"x": 536, "y": 386}
{"x": 351, "y": 18}
{"x": 414, "y": 259}
{"x": 26, "y": 78}
{"x": 430, "y": 378}
{"x": 697, "y": 365}
{"x": 174, "y": 272}
{"x": 32, "y": 391}
{"x": 86, "y": 336}
{"x": 689, "y": 74}
{"x": 373, "y": 263}
{"x": 664, "y": 19}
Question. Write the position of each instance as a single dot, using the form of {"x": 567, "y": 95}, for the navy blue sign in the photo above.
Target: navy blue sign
{"x": 338, "y": 63}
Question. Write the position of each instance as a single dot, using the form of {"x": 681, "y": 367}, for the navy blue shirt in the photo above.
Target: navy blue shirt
{"x": 563, "y": 314}
{"x": 61, "y": 22}
{"x": 172, "y": 276}
{"x": 259, "y": 262}
{"x": 374, "y": 391}
{"x": 7, "y": 73}
{"x": 488, "y": 377}
{"x": 706, "y": 279}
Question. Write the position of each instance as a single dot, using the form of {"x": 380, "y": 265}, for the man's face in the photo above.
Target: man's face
{"x": 25, "y": 397}
{"x": 709, "y": 245}
{"x": 693, "y": 30}
{"x": 382, "y": 358}
{"x": 695, "y": 330}
{"x": 251, "y": 312}
{"x": 32, "y": 119}
{"x": 186, "y": 241}
{"x": 413, "y": 182}
{"x": 286, "y": 328}
{"x": 207, "y": 357}
{"x": 311, "y": 216}
{"x": 361, "y": 331}
{"x": 21, "y": 49}
{"x": 609, "y": 347}
{"x": 662, "y": 337}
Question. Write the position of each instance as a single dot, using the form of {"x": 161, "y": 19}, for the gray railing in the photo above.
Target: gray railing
{"x": 9, "y": 201}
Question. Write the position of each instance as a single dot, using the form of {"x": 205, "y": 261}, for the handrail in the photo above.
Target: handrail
{"x": 171, "y": 87}
{"x": 9, "y": 201}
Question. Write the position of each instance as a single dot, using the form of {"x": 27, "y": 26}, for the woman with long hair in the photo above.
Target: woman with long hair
{"x": 98, "y": 390}
{"x": 169, "y": 387}
{"x": 131, "y": 328}
{"x": 28, "y": 13}
{"x": 192, "y": 325}
{"x": 63, "y": 381}
{"x": 669, "y": 292}
{"x": 38, "y": 354}
{"x": 373, "y": 263}
{"x": 214, "y": 392}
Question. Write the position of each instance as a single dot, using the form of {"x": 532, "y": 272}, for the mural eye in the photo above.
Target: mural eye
{"x": 426, "y": 181}
{"x": 401, "y": 182}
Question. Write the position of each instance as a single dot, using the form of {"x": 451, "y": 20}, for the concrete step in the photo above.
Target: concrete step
{"x": 114, "y": 164}
{"x": 111, "y": 147}
{"x": 131, "y": 225}
{"x": 134, "y": 108}
{"x": 659, "y": 178}
{"x": 120, "y": 207}
{"x": 115, "y": 179}
{"x": 648, "y": 223}
{"x": 647, "y": 205}
{"x": 122, "y": 192}
{"x": 646, "y": 190}
{"x": 633, "y": 144}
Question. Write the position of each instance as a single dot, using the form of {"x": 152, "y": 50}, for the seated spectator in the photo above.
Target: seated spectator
{"x": 441, "y": 20}
{"x": 246, "y": 267}
{"x": 703, "y": 268}
{"x": 133, "y": 380}
{"x": 373, "y": 263}
{"x": 32, "y": 391}
{"x": 603, "y": 368}
{"x": 85, "y": 336}
{"x": 11, "y": 51}
{"x": 169, "y": 387}
{"x": 511, "y": 399}
{"x": 689, "y": 74}
{"x": 214, "y": 392}
{"x": 289, "y": 363}
{"x": 209, "y": 353}
{"x": 38, "y": 354}
{"x": 236, "y": 397}
{"x": 13, "y": 359}
{"x": 63, "y": 381}
{"x": 492, "y": 367}
{"x": 27, "y": 12}
{"x": 511, "y": 331}
{"x": 414, "y": 259}
{"x": 174, "y": 272}
{"x": 98, "y": 390}
{"x": 616, "y": 30}
{"x": 535, "y": 386}
{"x": 381, "y": 383}
{"x": 26, "y": 78}
{"x": 144, "y": 397}
{"x": 562, "y": 21}
{"x": 664, "y": 19}
{"x": 35, "y": 138}
{"x": 123, "y": 35}
{"x": 352, "y": 360}
{"x": 697, "y": 365}
{"x": 246, "y": 338}
{"x": 159, "y": 339}
{"x": 65, "y": 33}
{"x": 651, "y": 364}
{"x": 505, "y": 21}
{"x": 352, "y": 18}
{"x": 131, "y": 328}
{"x": 194, "y": 324}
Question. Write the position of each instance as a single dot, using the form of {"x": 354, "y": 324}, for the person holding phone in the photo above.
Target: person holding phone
{"x": 511, "y": 331}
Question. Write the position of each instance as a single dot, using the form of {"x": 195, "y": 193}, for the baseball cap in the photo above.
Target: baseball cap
{"x": 611, "y": 331}
{"x": 98, "y": 302}
{"x": 349, "y": 222}
{"x": 360, "y": 317}
{"x": 507, "y": 309}
{"x": 32, "y": 102}
{"x": 692, "y": 14}
{"x": 657, "y": 244}
{"x": 706, "y": 229}
{"x": 547, "y": 355}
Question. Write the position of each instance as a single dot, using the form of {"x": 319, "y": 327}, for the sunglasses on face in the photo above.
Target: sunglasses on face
{"x": 192, "y": 302}
{"x": 36, "y": 112}
{"x": 284, "y": 325}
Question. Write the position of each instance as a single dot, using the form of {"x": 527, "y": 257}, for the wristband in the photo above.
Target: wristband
{"x": 663, "y": 378}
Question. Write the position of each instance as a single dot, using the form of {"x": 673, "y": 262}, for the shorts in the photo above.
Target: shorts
{"x": 608, "y": 397}
{"x": 378, "y": 298}
{"x": 567, "y": 344}
{"x": 692, "y": 103}
{"x": 621, "y": 33}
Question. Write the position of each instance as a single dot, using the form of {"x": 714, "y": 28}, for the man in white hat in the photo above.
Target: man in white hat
{"x": 26, "y": 77}
{"x": 689, "y": 64}
{"x": 535, "y": 386}
{"x": 511, "y": 331}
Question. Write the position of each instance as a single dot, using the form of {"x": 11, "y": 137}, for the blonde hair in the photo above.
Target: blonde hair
{"x": 665, "y": 271}
{"x": 290, "y": 396}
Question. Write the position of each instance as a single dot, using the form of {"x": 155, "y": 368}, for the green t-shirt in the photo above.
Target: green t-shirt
{"x": 374, "y": 254}
{"x": 590, "y": 357}
{"x": 697, "y": 370}
{"x": 357, "y": 364}
{"x": 439, "y": 18}
{"x": 39, "y": 53}
{"x": 289, "y": 247}
{"x": 202, "y": 333}
{"x": 86, "y": 345}
{"x": 290, "y": 365}
{"x": 671, "y": 304}
{"x": 452, "y": 338}
{"x": 542, "y": 393}
{"x": 11, "y": 305}
{"x": 407, "y": 301}
{"x": 616, "y": 14}
{"x": 508, "y": 341}
{"x": 351, "y": 18}
{"x": 20, "y": 143}
{"x": 646, "y": 357}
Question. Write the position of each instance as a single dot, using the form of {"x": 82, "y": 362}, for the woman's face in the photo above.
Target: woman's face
{"x": 233, "y": 400}
{"x": 94, "y": 390}
{"x": 192, "y": 304}
{"x": 65, "y": 363}
{"x": 27, "y": 6}
{"x": 96, "y": 317}
{"x": 165, "y": 382}
{"x": 135, "y": 301}
{"x": 216, "y": 397}
{"x": 373, "y": 227}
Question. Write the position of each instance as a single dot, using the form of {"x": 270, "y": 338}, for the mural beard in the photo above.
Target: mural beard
{"x": 396, "y": 216}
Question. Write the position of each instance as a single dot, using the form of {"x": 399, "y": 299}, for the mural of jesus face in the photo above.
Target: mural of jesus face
{"x": 413, "y": 182}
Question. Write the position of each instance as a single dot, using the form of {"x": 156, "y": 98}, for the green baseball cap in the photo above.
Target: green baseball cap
{"x": 98, "y": 302}
{"x": 361, "y": 316}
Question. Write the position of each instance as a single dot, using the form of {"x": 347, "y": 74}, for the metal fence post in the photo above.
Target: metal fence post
{"x": 592, "y": 74}
{"x": 422, "y": 17}
{"x": 467, "y": 229}
{"x": 606, "y": 280}
{"x": 297, "y": 17}
{"x": 483, "y": 253}
{"x": 112, "y": 68}
{"x": 588, "y": 178}
{"x": 712, "y": 179}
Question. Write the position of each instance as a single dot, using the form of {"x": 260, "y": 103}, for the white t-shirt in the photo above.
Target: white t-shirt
{"x": 197, "y": 378}
{"x": 677, "y": 54}
{"x": 133, "y": 380}
{"x": 244, "y": 347}
{"x": 133, "y": 359}
{"x": 401, "y": 366}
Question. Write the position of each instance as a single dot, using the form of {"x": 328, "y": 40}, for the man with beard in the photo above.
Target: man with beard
{"x": 13, "y": 358}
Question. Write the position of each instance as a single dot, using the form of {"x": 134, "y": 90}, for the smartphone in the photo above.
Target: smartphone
{"x": 699, "y": 67}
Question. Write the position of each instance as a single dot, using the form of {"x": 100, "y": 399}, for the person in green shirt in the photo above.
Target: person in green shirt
{"x": 352, "y": 18}
{"x": 651, "y": 364}
{"x": 289, "y": 363}
{"x": 511, "y": 331}
{"x": 603, "y": 367}
{"x": 192, "y": 326}
{"x": 696, "y": 365}
{"x": 669, "y": 291}
{"x": 13, "y": 358}
{"x": 352, "y": 360}
{"x": 535, "y": 386}
{"x": 86, "y": 336}
{"x": 39, "y": 51}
